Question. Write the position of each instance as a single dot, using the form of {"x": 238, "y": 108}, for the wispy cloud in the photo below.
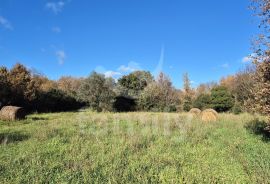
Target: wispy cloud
{"x": 56, "y": 29}
{"x": 55, "y": 7}
{"x": 131, "y": 67}
{"x": 225, "y": 65}
{"x": 248, "y": 58}
{"x": 112, "y": 74}
{"x": 61, "y": 56}
{"x": 108, "y": 73}
{"x": 159, "y": 67}
{"x": 5, "y": 23}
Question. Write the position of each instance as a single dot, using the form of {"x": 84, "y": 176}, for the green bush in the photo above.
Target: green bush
{"x": 237, "y": 108}
{"x": 222, "y": 100}
{"x": 203, "y": 101}
{"x": 259, "y": 127}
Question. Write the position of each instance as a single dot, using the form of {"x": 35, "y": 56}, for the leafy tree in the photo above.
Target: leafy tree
{"x": 69, "y": 85}
{"x": 262, "y": 94}
{"x": 23, "y": 88}
{"x": 97, "y": 92}
{"x": 134, "y": 83}
{"x": 243, "y": 88}
{"x": 222, "y": 100}
{"x": 5, "y": 87}
{"x": 159, "y": 96}
{"x": 188, "y": 93}
{"x": 203, "y": 101}
{"x": 262, "y": 59}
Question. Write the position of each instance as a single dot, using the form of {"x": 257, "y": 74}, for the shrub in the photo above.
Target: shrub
{"x": 97, "y": 92}
{"x": 237, "y": 108}
{"x": 222, "y": 100}
{"x": 203, "y": 101}
{"x": 258, "y": 127}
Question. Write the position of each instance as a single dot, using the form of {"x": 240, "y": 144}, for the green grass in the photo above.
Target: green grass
{"x": 87, "y": 147}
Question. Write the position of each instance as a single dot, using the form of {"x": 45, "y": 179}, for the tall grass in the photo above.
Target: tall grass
{"x": 88, "y": 147}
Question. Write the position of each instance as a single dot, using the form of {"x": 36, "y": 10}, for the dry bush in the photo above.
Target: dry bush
{"x": 209, "y": 115}
{"x": 12, "y": 113}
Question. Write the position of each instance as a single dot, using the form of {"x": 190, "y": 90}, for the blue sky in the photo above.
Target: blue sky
{"x": 208, "y": 39}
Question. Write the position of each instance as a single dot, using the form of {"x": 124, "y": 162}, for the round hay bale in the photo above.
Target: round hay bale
{"x": 211, "y": 110}
{"x": 12, "y": 113}
{"x": 209, "y": 115}
{"x": 195, "y": 111}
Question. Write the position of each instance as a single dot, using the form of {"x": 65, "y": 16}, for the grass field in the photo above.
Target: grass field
{"x": 87, "y": 147}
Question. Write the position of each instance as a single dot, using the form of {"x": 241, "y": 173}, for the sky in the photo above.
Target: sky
{"x": 207, "y": 39}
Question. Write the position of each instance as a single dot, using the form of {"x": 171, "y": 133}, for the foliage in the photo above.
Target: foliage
{"x": 187, "y": 103}
{"x": 243, "y": 88}
{"x": 222, "y": 100}
{"x": 159, "y": 96}
{"x": 259, "y": 127}
{"x": 237, "y": 108}
{"x": 135, "y": 82}
{"x": 203, "y": 101}
{"x": 188, "y": 93}
{"x": 262, "y": 93}
{"x": 5, "y": 87}
{"x": 97, "y": 92}
{"x": 69, "y": 85}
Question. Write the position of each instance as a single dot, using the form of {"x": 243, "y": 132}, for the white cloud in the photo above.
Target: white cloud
{"x": 56, "y": 7}
{"x": 249, "y": 58}
{"x": 246, "y": 59}
{"x": 112, "y": 74}
{"x": 56, "y": 29}
{"x": 225, "y": 65}
{"x": 5, "y": 23}
{"x": 131, "y": 67}
{"x": 61, "y": 56}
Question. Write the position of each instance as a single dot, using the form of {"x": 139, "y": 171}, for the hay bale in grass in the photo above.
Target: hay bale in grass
{"x": 195, "y": 111}
{"x": 211, "y": 110}
{"x": 12, "y": 113}
{"x": 209, "y": 115}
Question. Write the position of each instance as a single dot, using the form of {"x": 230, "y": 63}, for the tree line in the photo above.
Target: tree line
{"x": 137, "y": 91}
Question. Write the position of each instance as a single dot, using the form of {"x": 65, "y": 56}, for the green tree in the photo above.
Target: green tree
{"x": 203, "y": 101}
{"x": 134, "y": 83}
{"x": 5, "y": 87}
{"x": 221, "y": 98}
{"x": 96, "y": 91}
{"x": 188, "y": 93}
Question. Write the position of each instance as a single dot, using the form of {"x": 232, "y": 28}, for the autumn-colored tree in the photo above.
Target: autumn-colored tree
{"x": 243, "y": 88}
{"x": 23, "y": 88}
{"x": 262, "y": 59}
{"x": 69, "y": 85}
{"x": 205, "y": 88}
{"x": 228, "y": 82}
{"x": 43, "y": 83}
